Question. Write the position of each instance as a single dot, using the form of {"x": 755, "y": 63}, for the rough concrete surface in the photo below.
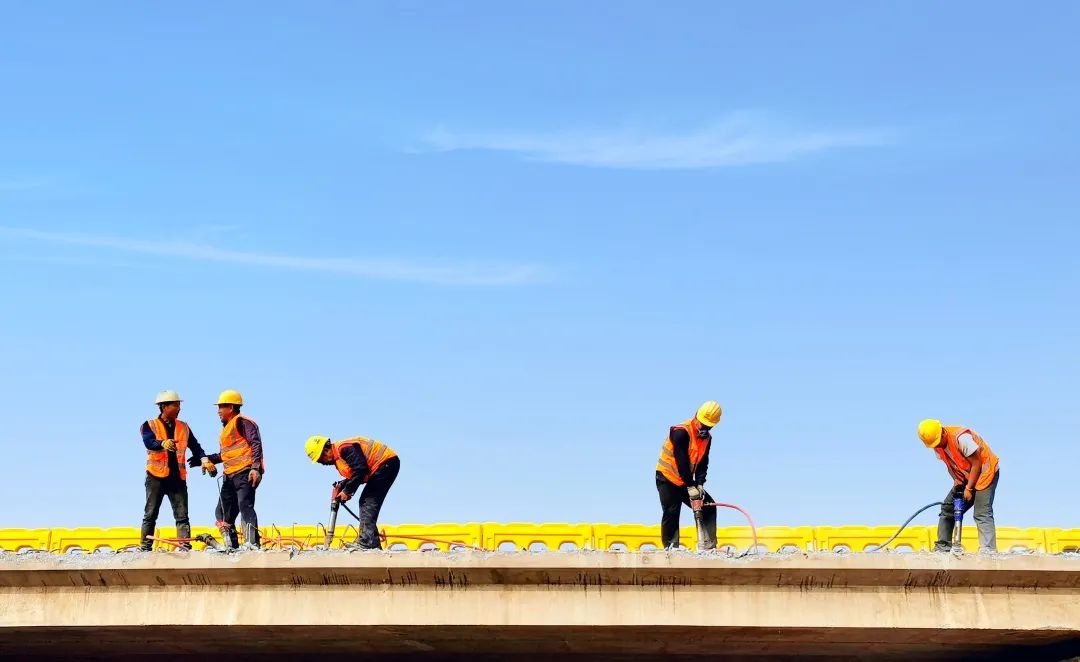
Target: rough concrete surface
{"x": 603, "y": 605}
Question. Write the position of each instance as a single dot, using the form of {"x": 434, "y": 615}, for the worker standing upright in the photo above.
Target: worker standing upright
{"x": 974, "y": 471}
{"x": 360, "y": 461}
{"x": 681, "y": 472}
{"x": 167, "y": 440}
{"x": 241, "y": 457}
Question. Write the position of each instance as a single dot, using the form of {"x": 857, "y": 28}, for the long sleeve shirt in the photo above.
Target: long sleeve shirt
{"x": 152, "y": 443}
{"x": 680, "y": 442}
{"x": 249, "y": 430}
{"x": 354, "y": 457}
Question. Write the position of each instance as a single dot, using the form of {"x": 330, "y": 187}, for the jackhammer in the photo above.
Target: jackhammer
{"x": 958, "y": 520}
{"x": 697, "y": 503}
{"x": 334, "y": 505}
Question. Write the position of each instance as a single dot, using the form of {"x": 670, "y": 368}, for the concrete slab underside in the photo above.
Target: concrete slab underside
{"x": 525, "y": 607}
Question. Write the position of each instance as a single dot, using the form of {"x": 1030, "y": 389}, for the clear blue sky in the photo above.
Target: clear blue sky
{"x": 517, "y": 241}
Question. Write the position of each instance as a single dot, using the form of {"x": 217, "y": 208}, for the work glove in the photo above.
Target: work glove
{"x": 695, "y": 492}
{"x": 253, "y": 477}
{"x": 343, "y": 496}
{"x": 169, "y": 445}
{"x": 208, "y": 467}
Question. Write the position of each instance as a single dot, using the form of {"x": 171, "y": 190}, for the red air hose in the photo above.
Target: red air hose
{"x": 753, "y": 529}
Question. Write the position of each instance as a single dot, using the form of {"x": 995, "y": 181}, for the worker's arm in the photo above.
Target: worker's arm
{"x": 680, "y": 444}
{"x": 250, "y": 431}
{"x": 354, "y": 457}
{"x": 970, "y": 448}
{"x": 197, "y": 452}
{"x": 703, "y": 467}
{"x": 149, "y": 440}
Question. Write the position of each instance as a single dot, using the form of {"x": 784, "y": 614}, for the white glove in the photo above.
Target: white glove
{"x": 695, "y": 492}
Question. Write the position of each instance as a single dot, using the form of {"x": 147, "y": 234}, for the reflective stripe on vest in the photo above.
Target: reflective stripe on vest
{"x": 157, "y": 462}
{"x": 235, "y": 449}
{"x": 959, "y": 466}
{"x": 698, "y": 447}
{"x": 376, "y": 452}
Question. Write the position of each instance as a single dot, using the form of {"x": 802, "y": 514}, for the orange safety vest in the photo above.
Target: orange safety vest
{"x": 959, "y": 466}
{"x": 157, "y": 462}
{"x": 698, "y": 448}
{"x": 235, "y": 449}
{"x": 376, "y": 452}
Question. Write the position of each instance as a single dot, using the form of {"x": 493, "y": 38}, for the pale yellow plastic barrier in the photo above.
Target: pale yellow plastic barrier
{"x": 1013, "y": 539}
{"x": 770, "y": 538}
{"x": 443, "y": 537}
{"x": 632, "y": 537}
{"x": 525, "y": 536}
{"x": 1060, "y": 541}
{"x": 92, "y": 539}
{"x": 16, "y": 540}
{"x": 1009, "y": 539}
{"x": 867, "y": 538}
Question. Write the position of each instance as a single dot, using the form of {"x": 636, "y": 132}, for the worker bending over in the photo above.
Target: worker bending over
{"x": 974, "y": 471}
{"x": 681, "y": 471}
{"x": 361, "y": 461}
{"x": 167, "y": 440}
{"x": 241, "y": 457}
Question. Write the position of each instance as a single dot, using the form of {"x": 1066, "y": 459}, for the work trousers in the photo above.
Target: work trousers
{"x": 672, "y": 499}
{"x": 371, "y": 501}
{"x": 237, "y": 498}
{"x": 156, "y": 490}
{"x": 984, "y": 518}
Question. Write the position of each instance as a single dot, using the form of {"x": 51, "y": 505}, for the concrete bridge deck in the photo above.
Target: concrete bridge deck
{"x": 533, "y": 606}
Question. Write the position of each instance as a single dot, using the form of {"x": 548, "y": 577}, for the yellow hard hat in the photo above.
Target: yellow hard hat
{"x": 709, "y": 413}
{"x": 167, "y": 396}
{"x": 930, "y": 433}
{"x": 230, "y": 397}
{"x": 314, "y": 447}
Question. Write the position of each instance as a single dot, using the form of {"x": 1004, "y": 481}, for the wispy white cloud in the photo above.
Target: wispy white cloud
{"x": 736, "y": 139}
{"x": 379, "y": 269}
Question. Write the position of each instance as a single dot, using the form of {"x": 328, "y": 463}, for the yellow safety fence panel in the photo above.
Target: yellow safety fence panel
{"x": 17, "y": 540}
{"x": 629, "y": 537}
{"x": 1061, "y": 541}
{"x": 66, "y": 541}
{"x": 867, "y": 538}
{"x": 770, "y": 538}
{"x": 527, "y": 536}
{"x": 443, "y": 537}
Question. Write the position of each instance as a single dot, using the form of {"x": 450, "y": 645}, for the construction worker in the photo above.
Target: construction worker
{"x": 167, "y": 440}
{"x": 974, "y": 471}
{"x": 241, "y": 457}
{"x": 360, "y": 461}
{"x": 681, "y": 471}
